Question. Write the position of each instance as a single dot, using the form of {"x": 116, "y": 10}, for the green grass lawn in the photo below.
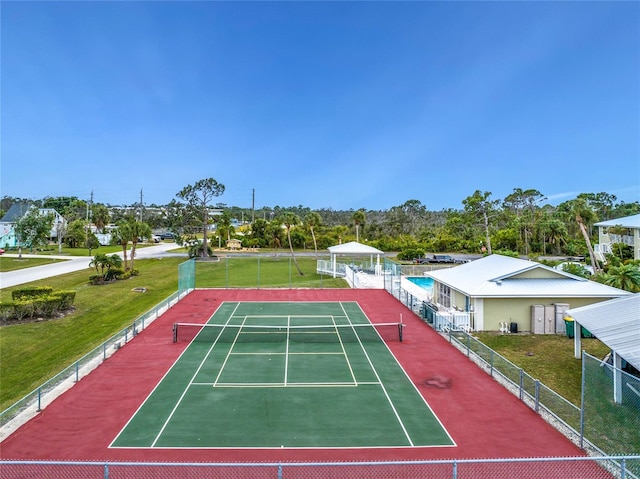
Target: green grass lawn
{"x": 546, "y": 357}
{"x": 32, "y": 353}
{"x": 12, "y": 264}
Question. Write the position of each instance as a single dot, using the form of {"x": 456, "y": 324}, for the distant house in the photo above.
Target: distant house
{"x": 234, "y": 244}
{"x": 621, "y": 230}
{"x": 496, "y": 290}
{"x": 8, "y": 237}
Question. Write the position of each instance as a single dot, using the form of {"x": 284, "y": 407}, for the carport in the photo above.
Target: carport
{"x": 617, "y": 324}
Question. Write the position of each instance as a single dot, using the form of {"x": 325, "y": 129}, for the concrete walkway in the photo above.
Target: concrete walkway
{"x": 69, "y": 265}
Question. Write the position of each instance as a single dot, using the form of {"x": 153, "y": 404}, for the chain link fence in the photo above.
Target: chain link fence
{"x": 27, "y": 407}
{"x": 610, "y": 407}
{"x": 528, "y": 468}
{"x": 607, "y": 423}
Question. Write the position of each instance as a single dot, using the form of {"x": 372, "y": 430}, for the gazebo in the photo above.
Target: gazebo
{"x": 352, "y": 249}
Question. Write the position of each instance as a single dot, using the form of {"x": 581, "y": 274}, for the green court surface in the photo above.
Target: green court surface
{"x": 279, "y": 374}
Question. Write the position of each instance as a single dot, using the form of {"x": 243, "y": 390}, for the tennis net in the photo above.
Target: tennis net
{"x": 334, "y": 333}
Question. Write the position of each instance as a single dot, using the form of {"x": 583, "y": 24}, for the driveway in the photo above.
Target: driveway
{"x": 70, "y": 265}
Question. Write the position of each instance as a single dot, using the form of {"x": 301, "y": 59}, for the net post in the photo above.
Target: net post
{"x": 400, "y": 328}
{"x": 175, "y": 332}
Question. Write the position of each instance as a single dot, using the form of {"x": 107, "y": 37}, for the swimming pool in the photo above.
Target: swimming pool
{"x": 423, "y": 282}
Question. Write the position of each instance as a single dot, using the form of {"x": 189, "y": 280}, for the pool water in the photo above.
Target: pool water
{"x": 423, "y": 282}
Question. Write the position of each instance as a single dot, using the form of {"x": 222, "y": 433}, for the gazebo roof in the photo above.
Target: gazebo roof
{"x": 353, "y": 247}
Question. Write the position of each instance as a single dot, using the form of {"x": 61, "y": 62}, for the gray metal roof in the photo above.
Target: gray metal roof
{"x": 503, "y": 276}
{"x": 15, "y": 212}
{"x": 627, "y": 222}
{"x": 616, "y": 323}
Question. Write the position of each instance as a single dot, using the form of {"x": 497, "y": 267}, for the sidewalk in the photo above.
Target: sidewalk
{"x": 70, "y": 265}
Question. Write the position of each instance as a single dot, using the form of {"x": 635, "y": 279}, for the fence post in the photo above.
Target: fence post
{"x": 106, "y": 471}
{"x": 491, "y": 361}
{"x": 582, "y": 402}
{"x": 537, "y": 402}
{"x": 39, "y": 399}
{"x": 77, "y": 371}
{"x": 455, "y": 470}
{"x": 521, "y": 384}
{"x": 468, "y": 344}
{"x": 623, "y": 468}
{"x": 279, "y": 471}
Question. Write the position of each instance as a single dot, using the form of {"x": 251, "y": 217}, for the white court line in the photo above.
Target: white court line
{"x": 184, "y": 393}
{"x": 384, "y": 390}
{"x": 286, "y": 352}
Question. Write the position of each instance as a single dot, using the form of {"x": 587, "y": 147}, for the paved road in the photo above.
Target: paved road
{"x": 72, "y": 263}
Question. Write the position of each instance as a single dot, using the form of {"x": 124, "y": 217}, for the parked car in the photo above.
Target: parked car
{"x": 1, "y": 251}
{"x": 441, "y": 259}
{"x": 156, "y": 239}
{"x": 167, "y": 235}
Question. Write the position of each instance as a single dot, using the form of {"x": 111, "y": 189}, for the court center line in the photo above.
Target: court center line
{"x": 346, "y": 356}
{"x": 286, "y": 351}
{"x": 233, "y": 344}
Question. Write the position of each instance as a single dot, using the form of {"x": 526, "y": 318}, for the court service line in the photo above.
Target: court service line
{"x": 226, "y": 359}
{"x": 286, "y": 351}
{"x": 384, "y": 390}
{"x": 346, "y": 356}
{"x": 184, "y": 393}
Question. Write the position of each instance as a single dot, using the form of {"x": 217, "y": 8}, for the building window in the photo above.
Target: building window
{"x": 444, "y": 295}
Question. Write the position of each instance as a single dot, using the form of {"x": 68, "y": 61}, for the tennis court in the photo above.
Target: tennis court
{"x": 285, "y": 374}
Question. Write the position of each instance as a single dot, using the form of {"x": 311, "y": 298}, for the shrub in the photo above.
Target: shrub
{"x": 31, "y": 292}
{"x": 6, "y": 311}
{"x": 22, "y": 308}
{"x": 113, "y": 273}
{"x": 44, "y": 306}
{"x": 411, "y": 253}
{"x": 66, "y": 299}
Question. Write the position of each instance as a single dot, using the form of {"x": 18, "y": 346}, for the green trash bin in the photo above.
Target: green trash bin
{"x": 568, "y": 322}
{"x": 585, "y": 333}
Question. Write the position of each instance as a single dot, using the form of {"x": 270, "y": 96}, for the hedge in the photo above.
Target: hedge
{"x": 31, "y": 292}
{"x": 39, "y": 305}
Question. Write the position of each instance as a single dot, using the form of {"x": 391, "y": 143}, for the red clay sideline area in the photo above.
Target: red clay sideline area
{"x": 484, "y": 419}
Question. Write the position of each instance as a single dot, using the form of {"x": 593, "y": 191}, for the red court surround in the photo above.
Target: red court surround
{"x": 483, "y": 418}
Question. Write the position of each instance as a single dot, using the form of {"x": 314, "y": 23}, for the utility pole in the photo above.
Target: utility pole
{"x": 253, "y": 205}
{"x": 140, "y": 210}
{"x": 89, "y": 219}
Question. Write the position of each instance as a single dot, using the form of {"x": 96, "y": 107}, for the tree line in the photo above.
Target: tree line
{"x": 522, "y": 222}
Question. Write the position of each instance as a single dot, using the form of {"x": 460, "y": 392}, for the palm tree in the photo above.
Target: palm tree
{"x": 139, "y": 231}
{"x": 584, "y": 213}
{"x": 313, "y": 220}
{"x": 103, "y": 262}
{"x": 289, "y": 220}
{"x": 555, "y": 233}
{"x": 340, "y": 231}
{"x": 358, "y": 219}
{"x": 99, "y": 261}
{"x": 124, "y": 235}
{"x": 626, "y": 276}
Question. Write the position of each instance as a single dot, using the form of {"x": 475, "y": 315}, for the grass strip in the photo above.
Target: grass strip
{"x": 32, "y": 353}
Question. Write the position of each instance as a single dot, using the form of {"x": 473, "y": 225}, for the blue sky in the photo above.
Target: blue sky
{"x": 341, "y": 105}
